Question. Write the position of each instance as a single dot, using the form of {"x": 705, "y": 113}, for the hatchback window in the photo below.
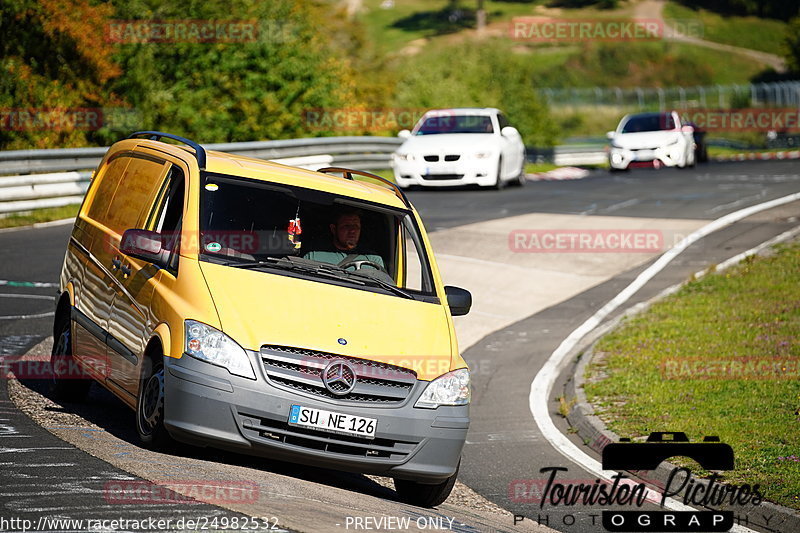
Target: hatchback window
{"x": 652, "y": 122}
{"x": 313, "y": 235}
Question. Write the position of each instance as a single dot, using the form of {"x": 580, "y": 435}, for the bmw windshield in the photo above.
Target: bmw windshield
{"x": 447, "y": 123}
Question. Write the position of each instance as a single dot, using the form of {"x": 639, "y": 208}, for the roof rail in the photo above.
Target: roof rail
{"x": 199, "y": 151}
{"x": 348, "y": 174}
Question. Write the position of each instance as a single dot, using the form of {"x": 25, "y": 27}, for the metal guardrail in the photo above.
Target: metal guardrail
{"x": 774, "y": 94}
{"x": 31, "y": 190}
{"x": 362, "y": 153}
{"x": 68, "y": 170}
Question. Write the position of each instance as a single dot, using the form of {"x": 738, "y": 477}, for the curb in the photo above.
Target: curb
{"x": 60, "y": 222}
{"x": 593, "y": 431}
{"x": 752, "y": 156}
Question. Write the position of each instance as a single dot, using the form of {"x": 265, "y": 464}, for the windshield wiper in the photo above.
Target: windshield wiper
{"x": 286, "y": 263}
{"x": 383, "y": 284}
{"x": 321, "y": 269}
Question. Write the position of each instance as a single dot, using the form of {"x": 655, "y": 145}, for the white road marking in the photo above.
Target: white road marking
{"x": 542, "y": 385}
{"x": 29, "y": 297}
{"x": 43, "y": 465}
{"x": 738, "y": 202}
{"x": 621, "y": 205}
{"x": 23, "y": 450}
{"x": 27, "y": 283}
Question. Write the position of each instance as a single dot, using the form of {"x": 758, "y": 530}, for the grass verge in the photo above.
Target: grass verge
{"x": 47, "y": 214}
{"x": 719, "y": 357}
{"x": 766, "y": 35}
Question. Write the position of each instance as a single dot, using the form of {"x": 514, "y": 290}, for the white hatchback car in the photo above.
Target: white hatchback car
{"x": 651, "y": 139}
{"x": 466, "y": 146}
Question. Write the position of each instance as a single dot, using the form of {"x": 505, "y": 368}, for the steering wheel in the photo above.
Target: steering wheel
{"x": 358, "y": 263}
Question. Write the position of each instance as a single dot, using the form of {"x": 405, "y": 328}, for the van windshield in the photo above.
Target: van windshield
{"x": 311, "y": 234}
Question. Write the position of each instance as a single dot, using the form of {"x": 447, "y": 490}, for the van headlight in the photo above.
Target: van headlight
{"x": 449, "y": 389}
{"x": 212, "y": 346}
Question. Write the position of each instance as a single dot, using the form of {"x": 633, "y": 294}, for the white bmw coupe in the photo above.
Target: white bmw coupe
{"x": 465, "y": 146}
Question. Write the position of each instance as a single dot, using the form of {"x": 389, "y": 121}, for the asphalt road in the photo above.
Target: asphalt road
{"x": 504, "y": 444}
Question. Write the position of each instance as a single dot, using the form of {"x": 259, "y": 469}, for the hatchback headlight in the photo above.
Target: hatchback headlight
{"x": 212, "y": 346}
{"x": 449, "y": 389}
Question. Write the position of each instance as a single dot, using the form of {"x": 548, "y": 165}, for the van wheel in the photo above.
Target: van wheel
{"x": 69, "y": 383}
{"x": 150, "y": 406}
{"x": 423, "y": 495}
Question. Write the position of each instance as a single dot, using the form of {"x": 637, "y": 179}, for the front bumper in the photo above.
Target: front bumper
{"x": 480, "y": 172}
{"x": 204, "y": 405}
{"x": 668, "y": 156}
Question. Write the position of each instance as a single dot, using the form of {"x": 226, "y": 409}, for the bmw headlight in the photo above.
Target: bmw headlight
{"x": 212, "y": 346}
{"x": 449, "y": 389}
{"x": 404, "y": 157}
{"x": 482, "y": 155}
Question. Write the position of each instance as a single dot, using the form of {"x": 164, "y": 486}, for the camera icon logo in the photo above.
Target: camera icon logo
{"x": 711, "y": 454}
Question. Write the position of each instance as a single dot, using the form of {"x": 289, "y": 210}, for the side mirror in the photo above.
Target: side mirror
{"x": 459, "y": 300}
{"x": 142, "y": 244}
{"x": 404, "y": 134}
{"x": 509, "y": 131}
{"x": 687, "y": 129}
{"x": 610, "y": 134}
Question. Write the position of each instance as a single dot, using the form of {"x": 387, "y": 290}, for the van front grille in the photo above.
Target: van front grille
{"x": 301, "y": 370}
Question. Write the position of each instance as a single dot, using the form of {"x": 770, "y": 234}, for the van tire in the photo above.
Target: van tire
{"x": 150, "y": 405}
{"x": 424, "y": 495}
{"x": 66, "y": 388}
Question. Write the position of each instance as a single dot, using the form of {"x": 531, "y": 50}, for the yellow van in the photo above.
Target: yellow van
{"x": 246, "y": 305}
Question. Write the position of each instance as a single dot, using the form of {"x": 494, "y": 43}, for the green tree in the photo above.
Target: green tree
{"x": 256, "y": 89}
{"x": 477, "y": 74}
{"x": 52, "y": 66}
{"x": 792, "y": 44}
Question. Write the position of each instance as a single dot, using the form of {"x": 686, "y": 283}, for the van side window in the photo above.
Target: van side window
{"x": 109, "y": 180}
{"x": 133, "y": 194}
{"x": 167, "y": 215}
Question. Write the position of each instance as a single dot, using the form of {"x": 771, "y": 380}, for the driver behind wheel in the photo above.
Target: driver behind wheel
{"x": 344, "y": 250}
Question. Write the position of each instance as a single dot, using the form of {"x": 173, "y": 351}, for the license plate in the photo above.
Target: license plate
{"x": 644, "y": 155}
{"x": 332, "y": 422}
